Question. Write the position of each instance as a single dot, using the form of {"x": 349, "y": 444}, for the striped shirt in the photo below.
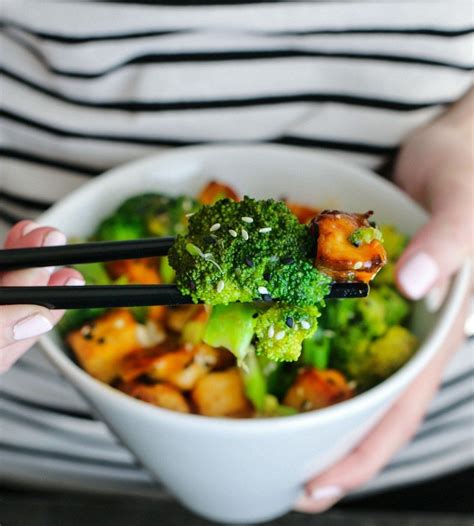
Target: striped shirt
{"x": 86, "y": 87}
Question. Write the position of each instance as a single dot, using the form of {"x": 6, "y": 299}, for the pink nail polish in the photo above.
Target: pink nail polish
{"x": 31, "y": 326}
{"x": 75, "y": 282}
{"x": 54, "y": 238}
{"x": 327, "y": 493}
{"x": 29, "y": 228}
{"x": 418, "y": 275}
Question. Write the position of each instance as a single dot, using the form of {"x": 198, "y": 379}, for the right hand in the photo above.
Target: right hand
{"x": 21, "y": 325}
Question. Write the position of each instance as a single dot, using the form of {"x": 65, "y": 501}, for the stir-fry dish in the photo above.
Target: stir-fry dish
{"x": 260, "y": 339}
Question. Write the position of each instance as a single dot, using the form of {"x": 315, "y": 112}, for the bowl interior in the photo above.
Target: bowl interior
{"x": 259, "y": 171}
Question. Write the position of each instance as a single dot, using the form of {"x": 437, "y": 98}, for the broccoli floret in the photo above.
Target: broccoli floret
{"x": 394, "y": 241}
{"x": 316, "y": 350}
{"x": 391, "y": 351}
{"x": 368, "y": 363}
{"x": 256, "y": 386}
{"x": 231, "y": 326}
{"x": 281, "y": 329}
{"x": 247, "y": 250}
{"x": 147, "y": 215}
{"x": 365, "y": 235}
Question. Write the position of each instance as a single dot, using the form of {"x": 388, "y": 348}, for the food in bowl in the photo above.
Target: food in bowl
{"x": 241, "y": 358}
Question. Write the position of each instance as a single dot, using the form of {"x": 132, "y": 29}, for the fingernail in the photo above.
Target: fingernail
{"x": 435, "y": 297}
{"x": 29, "y": 228}
{"x": 418, "y": 275}
{"x": 75, "y": 282}
{"x": 54, "y": 238}
{"x": 31, "y": 326}
{"x": 327, "y": 493}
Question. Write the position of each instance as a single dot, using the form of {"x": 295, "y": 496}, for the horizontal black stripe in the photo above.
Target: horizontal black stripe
{"x": 468, "y": 375}
{"x": 5, "y": 447}
{"x": 24, "y": 201}
{"x": 160, "y": 141}
{"x": 241, "y": 55}
{"x": 11, "y": 153}
{"x": 180, "y": 105}
{"x": 441, "y": 428}
{"x": 57, "y": 431}
{"x": 44, "y": 407}
{"x": 8, "y": 217}
{"x": 354, "y": 147}
{"x": 467, "y": 400}
{"x": 61, "y": 132}
{"x": 427, "y": 458}
{"x": 81, "y": 39}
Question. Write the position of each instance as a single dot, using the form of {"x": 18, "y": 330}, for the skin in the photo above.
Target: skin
{"x": 435, "y": 167}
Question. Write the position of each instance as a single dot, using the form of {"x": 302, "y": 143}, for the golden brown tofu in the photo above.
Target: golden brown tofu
{"x": 214, "y": 191}
{"x": 182, "y": 367}
{"x": 337, "y": 256}
{"x": 221, "y": 394}
{"x": 143, "y": 270}
{"x": 101, "y": 344}
{"x": 315, "y": 389}
{"x": 160, "y": 394}
{"x": 177, "y": 317}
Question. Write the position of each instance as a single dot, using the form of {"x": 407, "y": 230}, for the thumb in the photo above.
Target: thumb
{"x": 437, "y": 250}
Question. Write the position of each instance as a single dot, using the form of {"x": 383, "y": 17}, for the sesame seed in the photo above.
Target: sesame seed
{"x": 271, "y": 331}
{"x": 193, "y": 250}
{"x": 247, "y": 219}
{"x": 215, "y": 227}
{"x": 267, "y": 276}
{"x": 192, "y": 285}
{"x": 280, "y": 335}
{"x": 305, "y": 324}
{"x": 263, "y": 290}
{"x": 255, "y": 315}
{"x": 265, "y": 230}
{"x": 249, "y": 262}
{"x": 220, "y": 286}
{"x": 358, "y": 265}
{"x": 267, "y": 297}
{"x": 245, "y": 234}
{"x": 101, "y": 340}
{"x": 290, "y": 322}
{"x": 287, "y": 260}
{"x": 233, "y": 233}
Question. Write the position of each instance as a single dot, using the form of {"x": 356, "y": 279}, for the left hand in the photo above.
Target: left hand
{"x": 435, "y": 167}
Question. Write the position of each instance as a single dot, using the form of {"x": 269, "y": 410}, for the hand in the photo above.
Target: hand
{"x": 435, "y": 166}
{"x": 20, "y": 325}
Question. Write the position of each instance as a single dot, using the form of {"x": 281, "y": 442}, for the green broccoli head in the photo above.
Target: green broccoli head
{"x": 147, "y": 215}
{"x": 369, "y": 362}
{"x": 281, "y": 329}
{"x": 246, "y": 251}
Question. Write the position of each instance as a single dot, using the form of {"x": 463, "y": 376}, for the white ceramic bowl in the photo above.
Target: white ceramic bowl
{"x": 246, "y": 470}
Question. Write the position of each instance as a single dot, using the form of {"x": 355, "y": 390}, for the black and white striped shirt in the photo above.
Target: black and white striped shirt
{"x": 89, "y": 86}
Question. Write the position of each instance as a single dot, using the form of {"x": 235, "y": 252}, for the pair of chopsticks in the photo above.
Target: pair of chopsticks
{"x": 108, "y": 295}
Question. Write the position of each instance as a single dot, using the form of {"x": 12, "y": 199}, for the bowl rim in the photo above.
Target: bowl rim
{"x": 414, "y": 366}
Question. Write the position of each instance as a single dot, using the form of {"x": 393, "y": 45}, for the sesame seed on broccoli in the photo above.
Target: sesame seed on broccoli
{"x": 251, "y": 250}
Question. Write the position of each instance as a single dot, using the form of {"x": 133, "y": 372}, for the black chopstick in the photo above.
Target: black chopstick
{"x": 91, "y": 296}
{"x": 20, "y": 258}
